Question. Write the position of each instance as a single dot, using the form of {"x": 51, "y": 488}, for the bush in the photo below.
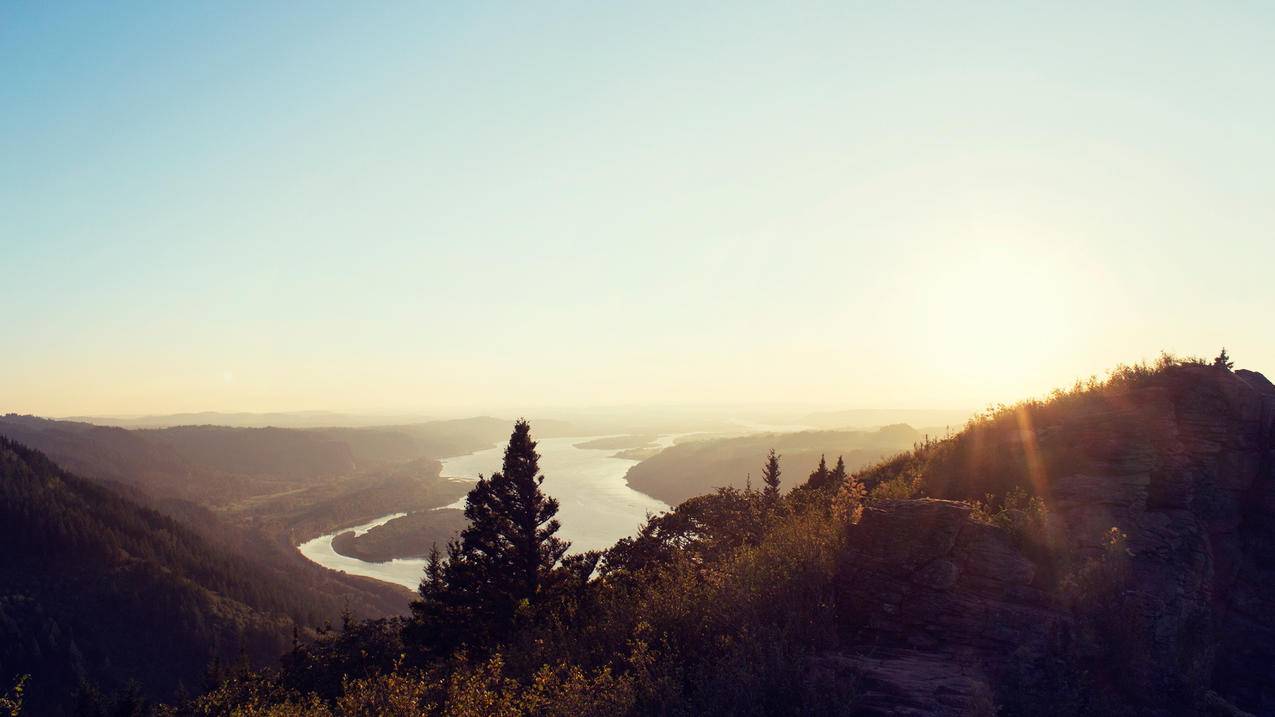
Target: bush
{"x": 11, "y": 702}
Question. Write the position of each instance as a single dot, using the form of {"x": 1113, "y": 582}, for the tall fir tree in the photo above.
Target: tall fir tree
{"x": 502, "y": 560}
{"x": 1223, "y": 360}
{"x": 838, "y": 474}
{"x": 770, "y": 476}
{"x": 432, "y": 588}
{"x": 819, "y": 476}
{"x": 531, "y": 525}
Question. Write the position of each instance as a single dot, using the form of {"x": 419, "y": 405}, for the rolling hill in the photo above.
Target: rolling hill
{"x": 696, "y": 466}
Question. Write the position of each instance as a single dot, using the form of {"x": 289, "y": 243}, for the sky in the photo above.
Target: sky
{"x": 463, "y": 207}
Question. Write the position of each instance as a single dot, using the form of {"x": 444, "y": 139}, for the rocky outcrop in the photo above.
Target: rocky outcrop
{"x": 938, "y": 603}
{"x": 944, "y": 610}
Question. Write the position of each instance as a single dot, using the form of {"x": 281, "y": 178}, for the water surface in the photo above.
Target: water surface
{"x": 596, "y": 506}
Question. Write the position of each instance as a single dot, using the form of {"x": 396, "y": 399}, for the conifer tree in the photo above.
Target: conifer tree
{"x": 430, "y": 613}
{"x": 819, "y": 477}
{"x": 501, "y": 561}
{"x": 1224, "y": 361}
{"x": 433, "y": 582}
{"x": 529, "y": 525}
{"x": 770, "y": 476}
{"x": 432, "y": 586}
{"x": 838, "y": 474}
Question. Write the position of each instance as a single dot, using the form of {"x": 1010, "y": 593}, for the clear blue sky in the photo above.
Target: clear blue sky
{"x": 258, "y": 206}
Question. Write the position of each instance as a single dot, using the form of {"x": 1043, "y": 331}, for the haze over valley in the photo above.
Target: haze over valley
{"x": 580, "y": 359}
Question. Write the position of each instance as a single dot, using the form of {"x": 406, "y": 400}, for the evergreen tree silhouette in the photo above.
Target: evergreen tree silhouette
{"x": 528, "y": 514}
{"x": 770, "y": 476}
{"x": 1224, "y": 361}
{"x": 819, "y": 477}
{"x": 431, "y": 611}
{"x": 500, "y": 564}
{"x": 838, "y": 474}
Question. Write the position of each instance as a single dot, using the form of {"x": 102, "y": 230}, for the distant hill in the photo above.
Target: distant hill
{"x": 99, "y": 451}
{"x": 695, "y": 467}
{"x": 220, "y": 465}
{"x": 565, "y": 422}
{"x": 277, "y": 419}
{"x": 282, "y": 452}
{"x": 207, "y": 464}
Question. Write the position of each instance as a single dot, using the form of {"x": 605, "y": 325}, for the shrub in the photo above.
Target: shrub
{"x": 11, "y": 702}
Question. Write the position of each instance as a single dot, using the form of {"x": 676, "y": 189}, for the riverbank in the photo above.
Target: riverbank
{"x": 597, "y": 507}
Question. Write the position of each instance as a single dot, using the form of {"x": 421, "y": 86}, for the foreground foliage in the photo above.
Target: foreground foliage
{"x": 721, "y": 606}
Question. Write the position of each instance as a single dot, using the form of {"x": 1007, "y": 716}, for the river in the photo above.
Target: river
{"x": 597, "y": 507}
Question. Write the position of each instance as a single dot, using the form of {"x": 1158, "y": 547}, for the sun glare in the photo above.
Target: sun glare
{"x": 994, "y": 310}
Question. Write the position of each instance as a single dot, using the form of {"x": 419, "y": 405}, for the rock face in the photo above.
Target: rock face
{"x": 939, "y": 602}
{"x": 944, "y": 609}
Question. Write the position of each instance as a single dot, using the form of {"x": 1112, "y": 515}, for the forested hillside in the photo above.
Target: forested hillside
{"x": 228, "y": 505}
{"x": 219, "y": 465}
{"x": 98, "y": 589}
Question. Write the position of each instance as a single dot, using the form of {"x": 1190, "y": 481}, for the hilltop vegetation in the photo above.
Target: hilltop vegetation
{"x": 865, "y": 595}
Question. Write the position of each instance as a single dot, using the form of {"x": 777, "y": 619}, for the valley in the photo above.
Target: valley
{"x": 597, "y": 507}
{"x": 305, "y": 527}
{"x": 653, "y": 359}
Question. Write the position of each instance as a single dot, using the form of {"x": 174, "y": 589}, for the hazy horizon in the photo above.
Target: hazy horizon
{"x": 593, "y": 421}
{"x": 256, "y": 207}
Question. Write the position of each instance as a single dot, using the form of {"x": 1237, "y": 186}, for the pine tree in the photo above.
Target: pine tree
{"x": 432, "y": 587}
{"x": 819, "y": 477}
{"x": 430, "y": 623}
{"x": 529, "y": 524}
{"x": 838, "y": 474}
{"x": 502, "y": 560}
{"x": 1224, "y": 361}
{"x": 433, "y": 582}
{"x": 770, "y": 476}
{"x": 130, "y": 701}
